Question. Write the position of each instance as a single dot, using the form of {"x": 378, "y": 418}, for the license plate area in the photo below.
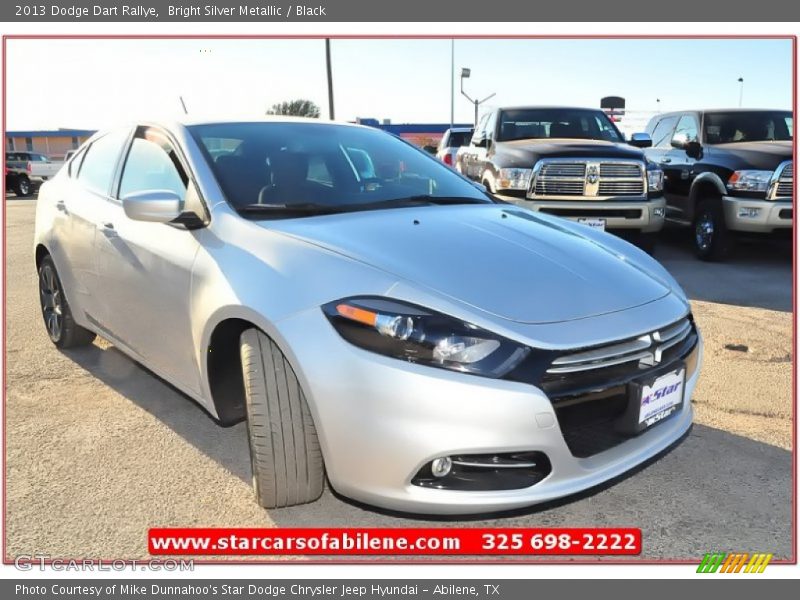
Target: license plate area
{"x": 652, "y": 400}
{"x": 599, "y": 224}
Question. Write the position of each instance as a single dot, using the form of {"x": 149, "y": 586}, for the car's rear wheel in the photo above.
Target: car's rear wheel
{"x": 284, "y": 449}
{"x": 712, "y": 239}
{"x": 61, "y": 327}
{"x": 23, "y": 187}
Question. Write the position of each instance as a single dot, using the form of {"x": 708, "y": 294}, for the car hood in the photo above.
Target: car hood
{"x": 506, "y": 261}
{"x": 765, "y": 156}
{"x": 524, "y": 153}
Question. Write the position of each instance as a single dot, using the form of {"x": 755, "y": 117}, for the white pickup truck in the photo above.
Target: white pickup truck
{"x": 24, "y": 170}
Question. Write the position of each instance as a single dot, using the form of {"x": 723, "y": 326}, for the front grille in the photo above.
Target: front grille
{"x": 784, "y": 188}
{"x": 585, "y": 178}
{"x": 620, "y": 170}
{"x": 590, "y": 388}
{"x": 563, "y": 170}
{"x": 621, "y": 188}
{"x": 558, "y": 188}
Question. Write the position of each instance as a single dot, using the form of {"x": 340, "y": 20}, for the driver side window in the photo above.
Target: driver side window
{"x": 687, "y": 129}
{"x": 480, "y": 130}
{"x": 152, "y": 164}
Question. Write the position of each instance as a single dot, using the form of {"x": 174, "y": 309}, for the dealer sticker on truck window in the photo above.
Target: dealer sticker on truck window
{"x": 662, "y": 398}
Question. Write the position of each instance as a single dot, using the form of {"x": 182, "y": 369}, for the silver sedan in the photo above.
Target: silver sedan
{"x": 374, "y": 316}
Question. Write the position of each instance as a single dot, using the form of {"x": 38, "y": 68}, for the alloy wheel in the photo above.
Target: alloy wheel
{"x": 24, "y": 187}
{"x": 52, "y": 302}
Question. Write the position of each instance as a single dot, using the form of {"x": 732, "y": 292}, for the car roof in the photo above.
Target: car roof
{"x": 460, "y": 129}
{"x": 714, "y": 110}
{"x": 547, "y": 106}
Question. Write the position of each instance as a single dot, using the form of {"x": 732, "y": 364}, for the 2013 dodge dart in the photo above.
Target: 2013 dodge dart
{"x": 373, "y": 315}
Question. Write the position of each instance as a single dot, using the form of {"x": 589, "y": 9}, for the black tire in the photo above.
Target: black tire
{"x": 61, "y": 327}
{"x": 23, "y": 187}
{"x": 284, "y": 449}
{"x": 712, "y": 239}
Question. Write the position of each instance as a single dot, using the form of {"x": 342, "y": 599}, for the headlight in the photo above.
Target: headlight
{"x": 655, "y": 180}
{"x": 418, "y": 335}
{"x": 514, "y": 179}
{"x": 749, "y": 181}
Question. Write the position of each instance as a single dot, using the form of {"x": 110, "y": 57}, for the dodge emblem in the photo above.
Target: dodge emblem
{"x": 591, "y": 174}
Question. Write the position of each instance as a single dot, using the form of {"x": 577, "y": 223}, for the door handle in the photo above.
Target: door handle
{"x": 666, "y": 160}
{"x": 108, "y": 229}
{"x": 61, "y": 206}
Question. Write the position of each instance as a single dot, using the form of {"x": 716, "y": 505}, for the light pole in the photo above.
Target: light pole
{"x": 465, "y": 73}
{"x": 452, "y": 82}
{"x": 330, "y": 77}
{"x": 741, "y": 90}
{"x": 658, "y": 105}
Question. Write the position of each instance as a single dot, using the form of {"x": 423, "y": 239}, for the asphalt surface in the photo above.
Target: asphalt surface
{"x": 99, "y": 450}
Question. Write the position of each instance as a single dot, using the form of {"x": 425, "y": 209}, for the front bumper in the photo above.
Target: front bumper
{"x": 767, "y": 215}
{"x": 646, "y": 216}
{"x": 380, "y": 420}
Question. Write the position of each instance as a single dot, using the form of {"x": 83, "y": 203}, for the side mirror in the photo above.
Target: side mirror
{"x": 480, "y": 140}
{"x": 157, "y": 206}
{"x": 680, "y": 141}
{"x": 641, "y": 140}
{"x": 694, "y": 149}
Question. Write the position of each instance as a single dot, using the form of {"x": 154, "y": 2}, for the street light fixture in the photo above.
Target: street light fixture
{"x": 741, "y": 90}
{"x": 465, "y": 73}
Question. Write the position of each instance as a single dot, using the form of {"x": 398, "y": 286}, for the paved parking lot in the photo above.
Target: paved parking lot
{"x": 99, "y": 450}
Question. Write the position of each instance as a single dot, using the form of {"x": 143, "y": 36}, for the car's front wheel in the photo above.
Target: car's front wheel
{"x": 64, "y": 332}
{"x": 712, "y": 239}
{"x": 284, "y": 449}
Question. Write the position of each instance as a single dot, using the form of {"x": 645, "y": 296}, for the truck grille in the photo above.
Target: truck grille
{"x": 785, "y": 187}
{"x": 589, "y": 179}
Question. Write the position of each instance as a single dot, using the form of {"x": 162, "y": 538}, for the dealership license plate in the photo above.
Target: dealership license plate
{"x": 593, "y": 223}
{"x": 662, "y": 398}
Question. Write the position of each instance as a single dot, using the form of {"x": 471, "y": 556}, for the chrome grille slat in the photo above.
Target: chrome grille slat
{"x": 646, "y": 348}
{"x": 564, "y": 170}
{"x": 784, "y": 186}
{"x": 620, "y": 170}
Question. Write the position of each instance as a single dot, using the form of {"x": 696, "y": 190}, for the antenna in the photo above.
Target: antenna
{"x": 183, "y": 104}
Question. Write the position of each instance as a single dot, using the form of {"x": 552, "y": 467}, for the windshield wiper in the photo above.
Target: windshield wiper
{"x": 441, "y": 200}
{"x": 305, "y": 208}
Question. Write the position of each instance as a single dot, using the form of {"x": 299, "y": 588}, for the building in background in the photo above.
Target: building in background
{"x": 53, "y": 142}
{"x": 419, "y": 134}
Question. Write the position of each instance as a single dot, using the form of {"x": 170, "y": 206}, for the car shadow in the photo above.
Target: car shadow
{"x": 757, "y": 274}
{"x": 712, "y": 485}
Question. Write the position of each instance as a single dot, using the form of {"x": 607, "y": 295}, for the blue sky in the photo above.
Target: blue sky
{"x": 96, "y": 83}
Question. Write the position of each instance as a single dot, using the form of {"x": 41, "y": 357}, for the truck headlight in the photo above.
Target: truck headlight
{"x": 415, "y": 334}
{"x": 655, "y": 180}
{"x": 514, "y": 179}
{"x": 749, "y": 181}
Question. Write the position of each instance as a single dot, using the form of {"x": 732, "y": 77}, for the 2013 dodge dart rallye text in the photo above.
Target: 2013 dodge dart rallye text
{"x": 373, "y": 315}
{"x": 570, "y": 162}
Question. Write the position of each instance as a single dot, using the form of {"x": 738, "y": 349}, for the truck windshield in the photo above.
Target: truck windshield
{"x": 301, "y": 169}
{"x": 537, "y": 123}
{"x": 747, "y": 126}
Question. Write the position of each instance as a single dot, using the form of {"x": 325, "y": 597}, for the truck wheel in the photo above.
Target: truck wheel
{"x": 23, "y": 187}
{"x": 284, "y": 448}
{"x": 64, "y": 332}
{"x": 712, "y": 239}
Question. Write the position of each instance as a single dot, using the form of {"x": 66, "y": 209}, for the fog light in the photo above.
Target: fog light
{"x": 748, "y": 212}
{"x": 658, "y": 211}
{"x": 441, "y": 466}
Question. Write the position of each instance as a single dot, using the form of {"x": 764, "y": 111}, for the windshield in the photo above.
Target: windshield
{"x": 332, "y": 167}
{"x": 537, "y": 123}
{"x": 745, "y": 126}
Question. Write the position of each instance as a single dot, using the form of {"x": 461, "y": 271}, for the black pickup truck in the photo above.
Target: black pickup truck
{"x": 570, "y": 162}
{"x": 726, "y": 173}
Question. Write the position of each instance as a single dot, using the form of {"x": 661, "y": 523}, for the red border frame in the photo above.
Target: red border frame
{"x": 399, "y": 560}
